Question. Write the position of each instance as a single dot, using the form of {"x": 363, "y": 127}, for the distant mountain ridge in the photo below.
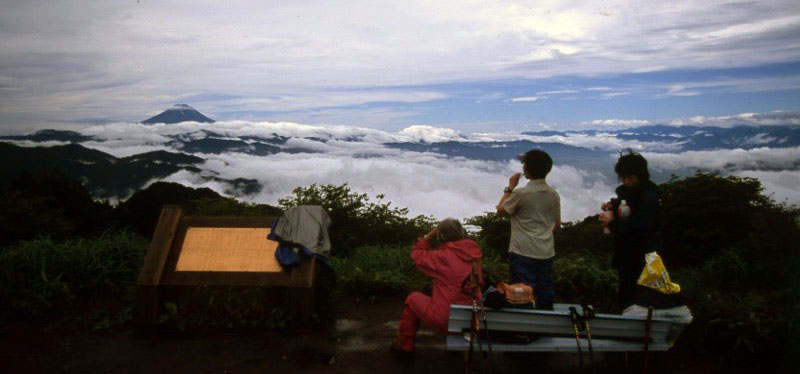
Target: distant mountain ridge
{"x": 106, "y": 176}
{"x": 112, "y": 177}
{"x": 177, "y": 114}
{"x": 699, "y": 138}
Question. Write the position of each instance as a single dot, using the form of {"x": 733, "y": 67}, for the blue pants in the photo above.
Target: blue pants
{"x": 537, "y": 274}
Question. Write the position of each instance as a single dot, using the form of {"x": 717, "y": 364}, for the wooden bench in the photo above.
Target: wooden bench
{"x": 553, "y": 331}
{"x": 188, "y": 252}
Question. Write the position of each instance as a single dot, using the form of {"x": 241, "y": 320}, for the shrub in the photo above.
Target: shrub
{"x": 740, "y": 311}
{"x": 39, "y": 276}
{"x": 495, "y": 233}
{"x": 141, "y": 211}
{"x": 735, "y": 254}
{"x": 48, "y": 203}
{"x": 376, "y": 269}
{"x": 704, "y": 213}
{"x": 225, "y": 307}
{"x": 583, "y": 279}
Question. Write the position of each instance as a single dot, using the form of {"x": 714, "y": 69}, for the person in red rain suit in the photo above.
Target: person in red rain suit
{"x": 449, "y": 265}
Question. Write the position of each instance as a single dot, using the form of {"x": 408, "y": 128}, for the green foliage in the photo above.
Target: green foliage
{"x": 584, "y": 238}
{"x": 494, "y": 263}
{"x": 356, "y": 221}
{"x": 230, "y": 206}
{"x": 106, "y": 320}
{"x": 50, "y": 203}
{"x": 377, "y": 269}
{"x": 226, "y": 307}
{"x": 38, "y": 277}
{"x": 495, "y": 233}
{"x": 585, "y": 279}
{"x": 141, "y": 211}
{"x": 733, "y": 250}
{"x": 741, "y": 310}
{"x": 705, "y": 213}
{"x": 735, "y": 254}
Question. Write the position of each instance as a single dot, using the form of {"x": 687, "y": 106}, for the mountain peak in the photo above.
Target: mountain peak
{"x": 179, "y": 113}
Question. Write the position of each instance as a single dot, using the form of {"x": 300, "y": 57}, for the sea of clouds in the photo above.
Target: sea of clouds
{"x": 424, "y": 182}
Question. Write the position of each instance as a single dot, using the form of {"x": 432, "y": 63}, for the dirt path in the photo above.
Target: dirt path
{"x": 357, "y": 344}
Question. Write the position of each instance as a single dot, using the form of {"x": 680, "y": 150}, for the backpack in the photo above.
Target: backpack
{"x": 517, "y": 295}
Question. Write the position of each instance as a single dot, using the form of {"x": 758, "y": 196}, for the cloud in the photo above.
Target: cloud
{"x": 752, "y": 119}
{"x": 338, "y": 98}
{"x": 527, "y": 98}
{"x": 427, "y": 183}
{"x": 728, "y": 160}
{"x": 424, "y": 183}
{"x": 679, "y": 90}
{"x": 556, "y": 92}
{"x": 780, "y": 185}
{"x": 428, "y": 134}
{"x": 614, "y": 123}
{"x": 649, "y": 69}
{"x": 118, "y": 60}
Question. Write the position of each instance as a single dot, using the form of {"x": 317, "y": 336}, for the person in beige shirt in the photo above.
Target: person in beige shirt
{"x": 535, "y": 214}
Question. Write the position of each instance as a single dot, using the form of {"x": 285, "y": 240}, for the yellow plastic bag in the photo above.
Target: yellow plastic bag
{"x": 655, "y": 276}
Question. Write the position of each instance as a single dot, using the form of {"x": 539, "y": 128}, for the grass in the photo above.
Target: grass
{"x": 376, "y": 269}
{"x": 39, "y": 277}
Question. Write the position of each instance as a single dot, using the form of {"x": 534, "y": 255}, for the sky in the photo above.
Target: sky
{"x": 470, "y": 66}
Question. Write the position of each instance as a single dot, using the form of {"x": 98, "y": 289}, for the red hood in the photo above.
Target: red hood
{"x": 465, "y": 249}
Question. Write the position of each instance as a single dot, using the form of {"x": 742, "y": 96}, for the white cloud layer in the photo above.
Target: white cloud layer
{"x": 730, "y": 160}
{"x": 783, "y": 186}
{"x": 426, "y": 183}
{"x": 752, "y": 119}
{"x": 124, "y": 138}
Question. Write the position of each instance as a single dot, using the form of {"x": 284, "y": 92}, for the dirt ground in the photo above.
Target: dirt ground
{"x": 357, "y": 344}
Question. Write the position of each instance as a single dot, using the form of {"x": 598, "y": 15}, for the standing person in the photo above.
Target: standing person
{"x": 449, "y": 264}
{"x": 635, "y": 230}
{"x": 535, "y": 212}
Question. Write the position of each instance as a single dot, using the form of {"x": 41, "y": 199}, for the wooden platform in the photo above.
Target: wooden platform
{"x": 197, "y": 251}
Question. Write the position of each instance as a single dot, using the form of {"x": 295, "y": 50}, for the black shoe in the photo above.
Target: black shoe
{"x": 402, "y": 356}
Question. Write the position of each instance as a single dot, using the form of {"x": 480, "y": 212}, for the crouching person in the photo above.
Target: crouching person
{"x": 449, "y": 265}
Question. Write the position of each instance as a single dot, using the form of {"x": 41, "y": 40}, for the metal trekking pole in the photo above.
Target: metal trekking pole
{"x": 477, "y": 322}
{"x": 647, "y": 325}
{"x": 468, "y": 354}
{"x": 573, "y": 315}
{"x": 588, "y": 313}
{"x": 478, "y": 295}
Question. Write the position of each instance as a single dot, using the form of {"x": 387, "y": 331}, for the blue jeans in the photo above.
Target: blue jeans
{"x": 537, "y": 274}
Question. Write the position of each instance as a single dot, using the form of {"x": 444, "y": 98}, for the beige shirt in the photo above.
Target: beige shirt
{"x": 533, "y": 210}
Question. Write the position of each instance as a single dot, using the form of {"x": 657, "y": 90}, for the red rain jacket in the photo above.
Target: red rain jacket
{"x": 449, "y": 265}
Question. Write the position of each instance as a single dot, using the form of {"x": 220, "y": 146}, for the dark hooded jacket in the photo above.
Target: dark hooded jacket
{"x": 640, "y": 233}
{"x": 449, "y": 265}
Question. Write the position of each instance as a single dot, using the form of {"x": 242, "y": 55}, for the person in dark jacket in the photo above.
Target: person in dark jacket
{"x": 449, "y": 264}
{"x": 638, "y": 231}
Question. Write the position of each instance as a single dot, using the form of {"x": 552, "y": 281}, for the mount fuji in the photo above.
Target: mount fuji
{"x": 177, "y": 114}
